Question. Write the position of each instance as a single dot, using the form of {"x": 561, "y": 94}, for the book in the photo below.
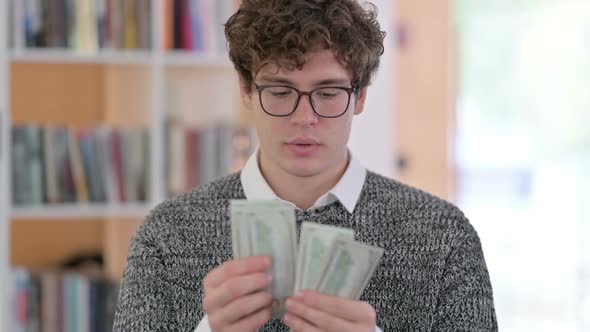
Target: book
{"x": 86, "y": 29}
{"x": 51, "y": 311}
{"x": 196, "y": 25}
{"x": 51, "y": 175}
{"x": 197, "y": 155}
{"x": 77, "y": 167}
{"x": 20, "y": 186}
{"x": 65, "y": 180}
{"x": 89, "y": 154}
{"x": 168, "y": 24}
{"x": 27, "y": 166}
{"x": 143, "y": 22}
{"x": 84, "y": 26}
{"x": 130, "y": 24}
{"x": 55, "y": 165}
{"x": 35, "y": 156}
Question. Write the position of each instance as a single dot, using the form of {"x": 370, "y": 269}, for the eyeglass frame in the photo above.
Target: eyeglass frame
{"x": 350, "y": 91}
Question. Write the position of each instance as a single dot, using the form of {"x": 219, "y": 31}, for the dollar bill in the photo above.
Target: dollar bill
{"x": 267, "y": 228}
{"x": 350, "y": 268}
{"x": 328, "y": 259}
{"x": 315, "y": 247}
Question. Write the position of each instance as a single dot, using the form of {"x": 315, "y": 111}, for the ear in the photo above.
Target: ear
{"x": 245, "y": 95}
{"x": 359, "y": 105}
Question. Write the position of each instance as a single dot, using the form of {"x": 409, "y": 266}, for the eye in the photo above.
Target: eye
{"x": 329, "y": 93}
{"x": 279, "y": 91}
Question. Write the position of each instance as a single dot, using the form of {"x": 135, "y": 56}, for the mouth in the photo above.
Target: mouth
{"x": 303, "y": 146}
{"x": 304, "y": 141}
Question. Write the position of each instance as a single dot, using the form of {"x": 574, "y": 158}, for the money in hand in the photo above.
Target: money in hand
{"x": 350, "y": 268}
{"x": 267, "y": 228}
{"x": 328, "y": 261}
{"x": 315, "y": 249}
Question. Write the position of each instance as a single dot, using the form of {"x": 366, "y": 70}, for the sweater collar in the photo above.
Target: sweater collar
{"x": 347, "y": 190}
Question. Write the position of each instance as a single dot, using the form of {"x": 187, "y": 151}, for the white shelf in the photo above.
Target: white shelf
{"x": 140, "y": 57}
{"x": 155, "y": 61}
{"x": 5, "y": 281}
{"x": 129, "y": 57}
{"x": 81, "y": 211}
{"x": 190, "y": 58}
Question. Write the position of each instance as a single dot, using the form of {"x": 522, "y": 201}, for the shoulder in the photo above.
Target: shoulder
{"x": 209, "y": 198}
{"x": 415, "y": 208}
{"x": 401, "y": 195}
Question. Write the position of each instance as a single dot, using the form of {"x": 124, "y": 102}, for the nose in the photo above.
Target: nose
{"x": 304, "y": 114}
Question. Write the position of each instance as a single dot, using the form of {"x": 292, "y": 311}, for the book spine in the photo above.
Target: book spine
{"x": 185, "y": 26}
{"x": 118, "y": 165}
{"x": 18, "y": 157}
{"x": 177, "y": 23}
{"x": 168, "y": 24}
{"x": 50, "y": 302}
{"x": 144, "y": 9}
{"x": 100, "y": 19}
{"x": 36, "y": 162}
{"x": 130, "y": 24}
{"x": 196, "y": 21}
{"x": 19, "y": 25}
{"x": 77, "y": 168}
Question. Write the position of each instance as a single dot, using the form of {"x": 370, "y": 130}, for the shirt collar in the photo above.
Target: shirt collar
{"x": 347, "y": 190}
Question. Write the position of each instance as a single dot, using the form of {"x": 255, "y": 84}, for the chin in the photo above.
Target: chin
{"x": 303, "y": 169}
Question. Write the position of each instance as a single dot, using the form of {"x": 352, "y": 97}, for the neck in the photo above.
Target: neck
{"x": 301, "y": 191}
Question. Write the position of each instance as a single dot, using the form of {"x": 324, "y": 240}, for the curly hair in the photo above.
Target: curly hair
{"x": 283, "y": 31}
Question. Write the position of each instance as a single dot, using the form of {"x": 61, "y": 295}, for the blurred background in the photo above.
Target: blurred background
{"x": 522, "y": 154}
{"x": 108, "y": 107}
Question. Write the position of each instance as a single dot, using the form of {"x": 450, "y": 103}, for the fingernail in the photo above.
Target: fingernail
{"x": 267, "y": 261}
{"x": 287, "y": 319}
{"x": 299, "y": 296}
{"x": 292, "y": 302}
{"x": 268, "y": 278}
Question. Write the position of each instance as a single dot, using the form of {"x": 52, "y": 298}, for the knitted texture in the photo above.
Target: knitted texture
{"x": 432, "y": 276}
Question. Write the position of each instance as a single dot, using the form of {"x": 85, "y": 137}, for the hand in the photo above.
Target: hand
{"x": 236, "y": 296}
{"x": 314, "y": 312}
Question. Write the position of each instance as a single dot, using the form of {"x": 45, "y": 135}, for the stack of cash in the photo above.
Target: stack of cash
{"x": 327, "y": 260}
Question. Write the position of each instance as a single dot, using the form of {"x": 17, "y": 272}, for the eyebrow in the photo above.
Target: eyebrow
{"x": 329, "y": 81}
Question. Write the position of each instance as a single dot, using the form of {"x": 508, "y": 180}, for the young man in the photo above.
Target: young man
{"x": 304, "y": 68}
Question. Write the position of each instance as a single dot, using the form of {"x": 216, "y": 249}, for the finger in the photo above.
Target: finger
{"x": 244, "y": 307}
{"x": 298, "y": 324}
{"x": 233, "y": 289}
{"x": 356, "y": 311}
{"x": 316, "y": 317}
{"x": 251, "y": 323}
{"x": 236, "y": 268}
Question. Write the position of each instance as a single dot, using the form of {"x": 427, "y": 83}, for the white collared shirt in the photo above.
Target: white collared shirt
{"x": 347, "y": 191}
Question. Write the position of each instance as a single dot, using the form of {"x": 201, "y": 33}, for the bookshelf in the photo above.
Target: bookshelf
{"x": 81, "y": 210}
{"x": 80, "y": 89}
{"x": 4, "y": 162}
{"x": 125, "y": 88}
{"x": 70, "y": 57}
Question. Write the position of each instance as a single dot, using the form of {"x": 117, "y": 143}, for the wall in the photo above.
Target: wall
{"x": 425, "y": 105}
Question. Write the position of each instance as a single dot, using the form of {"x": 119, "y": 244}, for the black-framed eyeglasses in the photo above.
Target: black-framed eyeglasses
{"x": 327, "y": 102}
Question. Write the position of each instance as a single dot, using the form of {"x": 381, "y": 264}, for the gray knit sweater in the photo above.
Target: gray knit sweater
{"x": 432, "y": 276}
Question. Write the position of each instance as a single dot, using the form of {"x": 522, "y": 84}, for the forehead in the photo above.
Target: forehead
{"x": 319, "y": 66}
